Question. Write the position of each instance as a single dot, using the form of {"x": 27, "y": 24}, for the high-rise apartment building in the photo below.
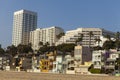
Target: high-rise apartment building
{"x": 24, "y": 21}
{"x": 44, "y": 35}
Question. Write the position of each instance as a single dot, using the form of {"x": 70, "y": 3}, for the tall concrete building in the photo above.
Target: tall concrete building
{"x": 24, "y": 21}
{"x": 45, "y": 35}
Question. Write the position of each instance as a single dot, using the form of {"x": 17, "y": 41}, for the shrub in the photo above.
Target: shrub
{"x": 92, "y": 70}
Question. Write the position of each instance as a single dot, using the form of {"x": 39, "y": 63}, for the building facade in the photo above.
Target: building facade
{"x": 72, "y": 35}
{"x": 106, "y": 60}
{"x": 82, "y": 54}
{"x": 111, "y": 61}
{"x": 98, "y": 58}
{"x": 24, "y": 21}
{"x": 4, "y": 62}
{"x": 44, "y": 35}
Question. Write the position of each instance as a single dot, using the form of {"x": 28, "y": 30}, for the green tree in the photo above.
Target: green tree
{"x": 117, "y": 40}
{"x": 24, "y": 49}
{"x": 2, "y": 51}
{"x": 11, "y": 50}
{"x": 118, "y": 63}
{"x": 117, "y": 35}
{"x": 66, "y": 47}
{"x": 60, "y": 35}
{"x": 108, "y": 37}
{"x": 45, "y": 48}
{"x": 117, "y": 44}
{"x": 40, "y": 43}
{"x": 108, "y": 45}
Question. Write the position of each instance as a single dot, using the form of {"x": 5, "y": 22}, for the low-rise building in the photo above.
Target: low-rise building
{"x": 35, "y": 63}
{"x": 57, "y": 65}
{"x": 83, "y": 69}
{"x": 4, "y": 62}
{"x": 47, "y": 63}
{"x": 110, "y": 63}
{"x": 105, "y": 60}
{"x": 97, "y": 58}
{"x": 70, "y": 64}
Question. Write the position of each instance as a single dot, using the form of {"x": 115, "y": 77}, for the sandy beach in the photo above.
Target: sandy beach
{"x": 49, "y": 76}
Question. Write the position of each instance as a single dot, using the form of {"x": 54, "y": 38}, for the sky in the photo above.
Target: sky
{"x": 67, "y": 14}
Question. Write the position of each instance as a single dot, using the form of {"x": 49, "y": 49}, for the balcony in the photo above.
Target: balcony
{"x": 109, "y": 66}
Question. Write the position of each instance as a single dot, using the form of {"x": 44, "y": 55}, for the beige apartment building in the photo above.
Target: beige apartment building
{"x": 72, "y": 35}
{"x": 44, "y": 35}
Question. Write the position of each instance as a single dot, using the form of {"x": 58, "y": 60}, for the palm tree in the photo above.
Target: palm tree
{"x": 98, "y": 47}
{"x": 79, "y": 39}
{"x": 98, "y": 40}
{"x": 90, "y": 36}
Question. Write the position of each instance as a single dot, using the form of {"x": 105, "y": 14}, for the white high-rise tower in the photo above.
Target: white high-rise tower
{"x": 24, "y": 22}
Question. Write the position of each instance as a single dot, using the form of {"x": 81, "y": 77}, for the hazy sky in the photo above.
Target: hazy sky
{"x": 68, "y": 14}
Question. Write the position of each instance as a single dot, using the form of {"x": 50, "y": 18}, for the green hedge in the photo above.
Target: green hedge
{"x": 92, "y": 70}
